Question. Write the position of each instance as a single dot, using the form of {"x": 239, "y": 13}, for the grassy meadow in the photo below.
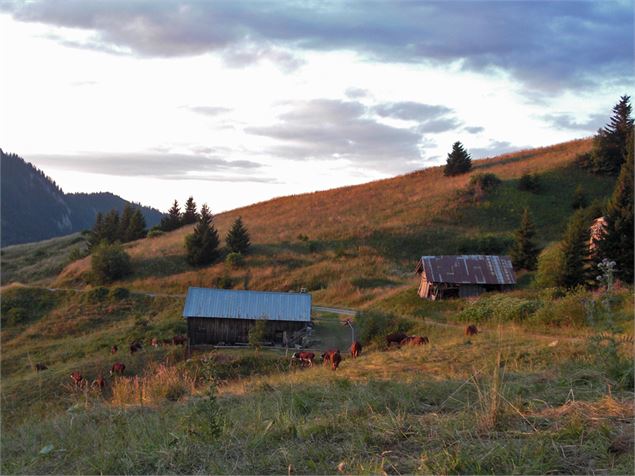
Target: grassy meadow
{"x": 545, "y": 387}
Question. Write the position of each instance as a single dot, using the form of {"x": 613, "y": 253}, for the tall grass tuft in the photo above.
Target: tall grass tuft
{"x": 160, "y": 383}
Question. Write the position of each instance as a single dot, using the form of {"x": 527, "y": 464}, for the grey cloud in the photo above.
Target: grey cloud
{"x": 356, "y": 93}
{"x": 474, "y": 129}
{"x": 567, "y": 121}
{"x": 209, "y": 110}
{"x": 438, "y": 125}
{"x": 411, "y": 111}
{"x": 550, "y": 45}
{"x": 169, "y": 166}
{"x": 332, "y": 129}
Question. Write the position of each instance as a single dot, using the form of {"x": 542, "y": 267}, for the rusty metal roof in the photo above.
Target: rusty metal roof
{"x": 232, "y": 304}
{"x": 467, "y": 269}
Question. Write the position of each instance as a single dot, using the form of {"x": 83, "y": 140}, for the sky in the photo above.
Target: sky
{"x": 235, "y": 102}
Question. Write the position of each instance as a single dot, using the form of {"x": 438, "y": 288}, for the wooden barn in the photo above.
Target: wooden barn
{"x": 225, "y": 316}
{"x": 464, "y": 276}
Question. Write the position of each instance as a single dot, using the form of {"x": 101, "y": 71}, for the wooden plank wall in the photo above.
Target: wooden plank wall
{"x": 206, "y": 330}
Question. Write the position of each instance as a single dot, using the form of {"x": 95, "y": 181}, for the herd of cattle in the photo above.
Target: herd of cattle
{"x": 330, "y": 358}
{"x": 118, "y": 368}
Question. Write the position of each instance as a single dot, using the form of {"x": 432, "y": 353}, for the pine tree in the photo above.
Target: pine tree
{"x": 617, "y": 241}
{"x": 111, "y": 226}
{"x": 190, "y": 215}
{"x": 137, "y": 226}
{"x": 97, "y": 232}
{"x": 609, "y": 145}
{"x": 458, "y": 161}
{"x": 206, "y": 214}
{"x": 524, "y": 253}
{"x": 124, "y": 223}
{"x": 580, "y": 199}
{"x": 237, "y": 238}
{"x": 173, "y": 219}
{"x": 202, "y": 244}
{"x": 575, "y": 249}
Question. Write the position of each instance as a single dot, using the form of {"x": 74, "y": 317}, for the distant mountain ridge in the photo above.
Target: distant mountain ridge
{"x": 35, "y": 208}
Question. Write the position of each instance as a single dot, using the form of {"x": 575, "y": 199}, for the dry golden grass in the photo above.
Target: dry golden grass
{"x": 281, "y": 262}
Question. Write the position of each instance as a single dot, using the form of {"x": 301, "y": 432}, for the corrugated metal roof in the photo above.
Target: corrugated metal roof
{"x": 232, "y": 304}
{"x": 467, "y": 269}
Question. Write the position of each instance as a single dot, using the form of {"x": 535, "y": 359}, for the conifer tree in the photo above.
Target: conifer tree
{"x": 202, "y": 244}
{"x": 173, "y": 219}
{"x": 575, "y": 250}
{"x": 190, "y": 215}
{"x": 617, "y": 240}
{"x": 111, "y": 226}
{"x": 136, "y": 227}
{"x": 124, "y": 223}
{"x": 458, "y": 161}
{"x": 97, "y": 233}
{"x": 609, "y": 145}
{"x": 524, "y": 253}
{"x": 237, "y": 238}
{"x": 580, "y": 199}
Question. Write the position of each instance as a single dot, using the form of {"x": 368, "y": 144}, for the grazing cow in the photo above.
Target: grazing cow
{"x": 77, "y": 379}
{"x": 99, "y": 383}
{"x": 415, "y": 340}
{"x": 326, "y": 356}
{"x": 356, "y": 349}
{"x": 135, "y": 346}
{"x": 40, "y": 367}
{"x": 179, "y": 340}
{"x": 114, "y": 349}
{"x": 471, "y": 330}
{"x": 305, "y": 358}
{"x": 154, "y": 342}
{"x": 117, "y": 368}
{"x": 395, "y": 338}
{"x": 336, "y": 358}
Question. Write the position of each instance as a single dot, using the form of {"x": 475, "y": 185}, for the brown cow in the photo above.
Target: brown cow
{"x": 305, "y": 358}
{"x": 415, "y": 340}
{"x": 154, "y": 342}
{"x": 117, "y": 368}
{"x": 99, "y": 383}
{"x": 356, "y": 349}
{"x": 77, "y": 379}
{"x": 179, "y": 340}
{"x": 39, "y": 367}
{"x": 471, "y": 330}
{"x": 326, "y": 356}
{"x": 395, "y": 338}
{"x": 336, "y": 358}
{"x": 114, "y": 349}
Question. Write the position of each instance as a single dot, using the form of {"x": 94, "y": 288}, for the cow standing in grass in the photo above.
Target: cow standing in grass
{"x": 305, "y": 358}
{"x": 471, "y": 330}
{"x": 77, "y": 379}
{"x": 415, "y": 340}
{"x": 117, "y": 368}
{"x": 356, "y": 349}
{"x": 395, "y": 338}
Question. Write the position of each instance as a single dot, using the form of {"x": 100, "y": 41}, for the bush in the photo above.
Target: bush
{"x": 224, "y": 282}
{"x": 120, "y": 293}
{"x": 155, "y": 233}
{"x": 568, "y": 311}
{"x": 109, "y": 263}
{"x": 257, "y": 334}
{"x": 480, "y": 185}
{"x": 234, "y": 260}
{"x": 549, "y": 267}
{"x": 374, "y": 326}
{"x": 500, "y": 308}
{"x": 529, "y": 183}
{"x": 97, "y": 294}
{"x": 485, "y": 244}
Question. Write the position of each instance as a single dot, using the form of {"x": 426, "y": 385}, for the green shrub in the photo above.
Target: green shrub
{"x": 98, "y": 294}
{"x": 485, "y": 244}
{"x": 568, "y": 311}
{"x": 109, "y": 263}
{"x": 485, "y": 182}
{"x": 257, "y": 333}
{"x": 374, "y": 326}
{"x": 234, "y": 260}
{"x": 529, "y": 183}
{"x": 204, "y": 418}
{"x": 13, "y": 316}
{"x": 224, "y": 282}
{"x": 499, "y": 308}
{"x": 549, "y": 270}
{"x": 120, "y": 293}
{"x": 155, "y": 233}
{"x": 615, "y": 358}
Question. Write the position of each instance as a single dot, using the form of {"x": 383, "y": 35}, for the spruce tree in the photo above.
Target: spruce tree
{"x": 524, "y": 253}
{"x": 136, "y": 227}
{"x": 609, "y": 145}
{"x": 111, "y": 226}
{"x": 458, "y": 161}
{"x": 190, "y": 215}
{"x": 202, "y": 244}
{"x": 97, "y": 232}
{"x": 617, "y": 241}
{"x": 575, "y": 250}
{"x": 124, "y": 223}
{"x": 237, "y": 238}
{"x": 173, "y": 219}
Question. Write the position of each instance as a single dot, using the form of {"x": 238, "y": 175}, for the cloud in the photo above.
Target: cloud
{"x": 334, "y": 129}
{"x": 411, "y": 111}
{"x": 209, "y": 110}
{"x": 549, "y": 45}
{"x": 474, "y": 129}
{"x": 169, "y": 166}
{"x": 493, "y": 149}
{"x": 567, "y": 121}
{"x": 356, "y": 93}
